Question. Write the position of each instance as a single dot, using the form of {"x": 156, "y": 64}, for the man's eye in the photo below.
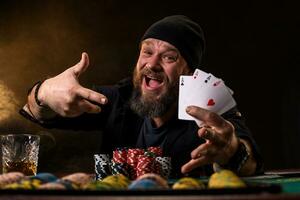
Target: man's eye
{"x": 147, "y": 52}
{"x": 169, "y": 58}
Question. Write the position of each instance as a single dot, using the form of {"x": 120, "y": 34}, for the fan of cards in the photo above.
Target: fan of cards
{"x": 203, "y": 90}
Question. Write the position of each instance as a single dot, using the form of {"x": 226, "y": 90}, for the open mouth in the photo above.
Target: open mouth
{"x": 152, "y": 83}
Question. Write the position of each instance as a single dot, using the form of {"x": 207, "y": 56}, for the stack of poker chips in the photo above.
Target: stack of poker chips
{"x": 119, "y": 163}
{"x": 165, "y": 166}
{"x": 133, "y": 163}
{"x": 146, "y": 164}
{"x": 102, "y": 166}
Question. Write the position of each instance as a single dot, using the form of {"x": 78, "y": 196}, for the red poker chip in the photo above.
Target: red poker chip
{"x": 140, "y": 161}
{"x": 156, "y": 150}
{"x": 145, "y": 165}
{"x": 120, "y": 156}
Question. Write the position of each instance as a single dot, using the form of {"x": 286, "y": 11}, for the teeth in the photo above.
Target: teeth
{"x": 153, "y": 78}
{"x": 150, "y": 77}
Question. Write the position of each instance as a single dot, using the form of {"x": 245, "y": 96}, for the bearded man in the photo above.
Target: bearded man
{"x": 142, "y": 111}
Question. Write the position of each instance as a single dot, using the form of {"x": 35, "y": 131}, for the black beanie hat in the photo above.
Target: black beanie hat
{"x": 183, "y": 33}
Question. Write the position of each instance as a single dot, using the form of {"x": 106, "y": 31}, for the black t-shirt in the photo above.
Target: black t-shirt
{"x": 121, "y": 127}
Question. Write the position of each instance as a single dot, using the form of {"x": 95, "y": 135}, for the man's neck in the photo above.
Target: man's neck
{"x": 159, "y": 121}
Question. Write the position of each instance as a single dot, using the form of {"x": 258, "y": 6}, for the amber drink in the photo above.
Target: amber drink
{"x": 20, "y": 153}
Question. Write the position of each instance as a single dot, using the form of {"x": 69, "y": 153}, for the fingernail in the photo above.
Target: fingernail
{"x": 188, "y": 109}
{"x": 103, "y": 100}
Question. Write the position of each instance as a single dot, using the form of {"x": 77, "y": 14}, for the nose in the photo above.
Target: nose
{"x": 153, "y": 63}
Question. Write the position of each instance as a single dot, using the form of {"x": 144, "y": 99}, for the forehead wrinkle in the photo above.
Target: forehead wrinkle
{"x": 165, "y": 45}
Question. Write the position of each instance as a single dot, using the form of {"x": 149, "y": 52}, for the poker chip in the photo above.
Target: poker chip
{"x": 79, "y": 179}
{"x": 120, "y": 168}
{"x": 165, "y": 166}
{"x": 144, "y": 184}
{"x": 156, "y": 150}
{"x": 146, "y": 164}
{"x": 11, "y": 177}
{"x": 32, "y": 182}
{"x": 58, "y": 185}
{"x": 44, "y": 177}
{"x": 52, "y": 186}
{"x": 110, "y": 174}
{"x": 120, "y": 155}
{"x": 118, "y": 181}
{"x": 150, "y": 154}
{"x": 98, "y": 185}
{"x": 157, "y": 167}
{"x": 132, "y": 155}
{"x": 225, "y": 179}
{"x": 112, "y": 182}
{"x": 188, "y": 183}
{"x": 155, "y": 177}
{"x": 102, "y": 166}
{"x": 24, "y": 185}
{"x": 132, "y": 161}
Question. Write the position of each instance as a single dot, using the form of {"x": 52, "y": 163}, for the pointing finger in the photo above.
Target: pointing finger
{"x": 194, "y": 163}
{"x": 200, "y": 151}
{"x": 89, "y": 107}
{"x": 92, "y": 96}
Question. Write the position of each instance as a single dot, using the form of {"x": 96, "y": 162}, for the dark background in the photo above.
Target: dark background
{"x": 252, "y": 45}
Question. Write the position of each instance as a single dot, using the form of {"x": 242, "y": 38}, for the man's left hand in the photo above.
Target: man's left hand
{"x": 221, "y": 141}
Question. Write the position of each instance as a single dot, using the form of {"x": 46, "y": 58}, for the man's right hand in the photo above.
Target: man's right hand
{"x": 65, "y": 96}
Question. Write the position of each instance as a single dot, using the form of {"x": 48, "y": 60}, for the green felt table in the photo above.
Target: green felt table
{"x": 289, "y": 181}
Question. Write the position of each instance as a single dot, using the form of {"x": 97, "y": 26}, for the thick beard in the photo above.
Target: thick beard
{"x": 151, "y": 106}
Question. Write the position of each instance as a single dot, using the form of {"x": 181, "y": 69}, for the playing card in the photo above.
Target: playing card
{"x": 185, "y": 87}
{"x": 213, "y": 96}
{"x": 200, "y": 77}
{"x": 190, "y": 90}
{"x": 200, "y": 84}
{"x": 199, "y": 74}
{"x": 230, "y": 90}
{"x": 206, "y": 91}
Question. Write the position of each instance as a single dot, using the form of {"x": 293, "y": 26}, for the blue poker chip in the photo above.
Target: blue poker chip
{"x": 44, "y": 177}
{"x": 144, "y": 184}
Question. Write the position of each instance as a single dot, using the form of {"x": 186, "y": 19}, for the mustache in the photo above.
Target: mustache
{"x": 152, "y": 74}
